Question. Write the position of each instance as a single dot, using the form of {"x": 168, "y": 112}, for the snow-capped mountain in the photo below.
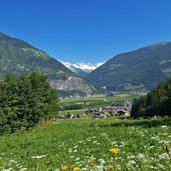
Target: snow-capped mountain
{"x": 81, "y": 69}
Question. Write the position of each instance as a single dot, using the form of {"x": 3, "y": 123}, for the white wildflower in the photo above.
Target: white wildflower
{"x": 164, "y": 142}
{"x": 163, "y": 156}
{"x": 38, "y": 157}
{"x": 141, "y": 156}
{"x": 131, "y": 162}
{"x": 100, "y": 168}
{"x": 78, "y": 158}
{"x": 102, "y": 161}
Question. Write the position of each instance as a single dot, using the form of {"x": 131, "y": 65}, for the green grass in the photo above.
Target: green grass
{"x": 86, "y": 143}
{"x": 101, "y": 97}
{"x": 80, "y": 112}
{"x": 97, "y": 100}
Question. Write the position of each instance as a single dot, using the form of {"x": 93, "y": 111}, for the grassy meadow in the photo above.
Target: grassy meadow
{"x": 89, "y": 144}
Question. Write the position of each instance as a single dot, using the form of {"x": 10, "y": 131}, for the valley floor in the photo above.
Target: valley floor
{"x": 89, "y": 144}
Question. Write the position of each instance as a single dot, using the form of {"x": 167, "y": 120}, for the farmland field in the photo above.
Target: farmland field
{"x": 98, "y": 100}
{"x": 90, "y": 144}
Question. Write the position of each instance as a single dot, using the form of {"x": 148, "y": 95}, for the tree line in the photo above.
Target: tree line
{"x": 24, "y": 101}
{"x": 155, "y": 103}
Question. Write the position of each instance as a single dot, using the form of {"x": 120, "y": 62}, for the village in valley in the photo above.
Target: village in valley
{"x": 116, "y": 109}
{"x": 113, "y": 110}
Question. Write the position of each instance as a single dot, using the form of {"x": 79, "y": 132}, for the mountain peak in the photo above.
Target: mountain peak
{"x": 143, "y": 68}
{"x": 81, "y": 69}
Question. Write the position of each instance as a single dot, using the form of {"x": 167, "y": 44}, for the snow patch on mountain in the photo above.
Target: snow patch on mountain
{"x": 81, "y": 69}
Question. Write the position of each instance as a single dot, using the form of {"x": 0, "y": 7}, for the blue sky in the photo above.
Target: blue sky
{"x": 87, "y": 30}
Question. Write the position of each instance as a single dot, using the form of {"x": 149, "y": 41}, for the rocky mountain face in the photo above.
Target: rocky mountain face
{"x": 71, "y": 83}
{"x": 17, "y": 56}
{"x": 140, "y": 69}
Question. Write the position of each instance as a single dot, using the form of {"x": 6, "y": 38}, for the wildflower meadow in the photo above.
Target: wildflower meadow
{"x": 89, "y": 144}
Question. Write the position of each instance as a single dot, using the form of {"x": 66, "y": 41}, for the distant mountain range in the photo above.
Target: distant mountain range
{"x": 82, "y": 69}
{"x": 17, "y": 56}
{"x": 140, "y": 69}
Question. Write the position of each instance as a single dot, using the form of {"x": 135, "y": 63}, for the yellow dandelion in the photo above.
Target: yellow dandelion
{"x": 114, "y": 151}
{"x": 91, "y": 164}
{"x": 110, "y": 167}
{"x": 64, "y": 167}
{"x": 76, "y": 169}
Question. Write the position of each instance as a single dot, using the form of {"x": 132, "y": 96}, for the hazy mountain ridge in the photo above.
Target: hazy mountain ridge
{"x": 140, "y": 69}
{"x": 17, "y": 56}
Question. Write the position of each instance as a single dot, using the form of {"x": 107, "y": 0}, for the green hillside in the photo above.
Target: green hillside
{"x": 136, "y": 70}
{"x": 17, "y": 56}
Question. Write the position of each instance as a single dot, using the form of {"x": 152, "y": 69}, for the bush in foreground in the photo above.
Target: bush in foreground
{"x": 24, "y": 101}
